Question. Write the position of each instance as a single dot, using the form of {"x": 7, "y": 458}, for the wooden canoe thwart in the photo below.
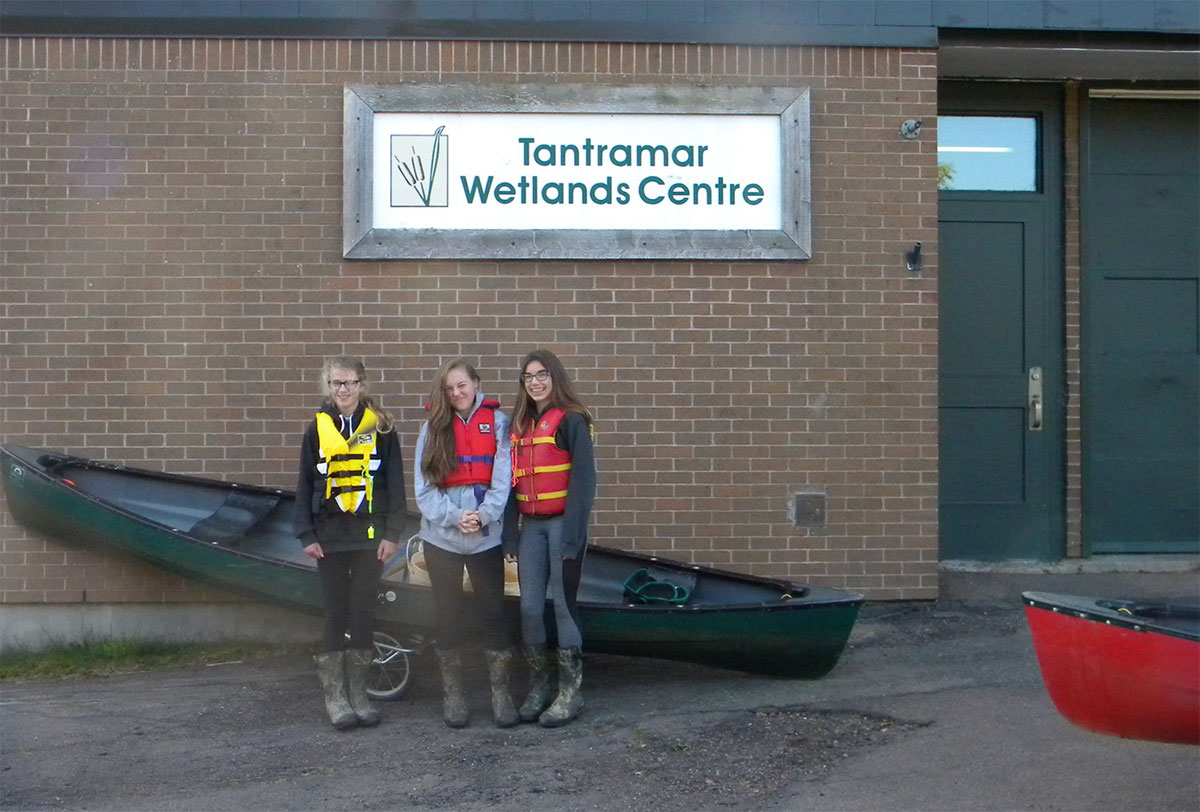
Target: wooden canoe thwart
{"x": 239, "y": 537}
{"x": 1122, "y": 667}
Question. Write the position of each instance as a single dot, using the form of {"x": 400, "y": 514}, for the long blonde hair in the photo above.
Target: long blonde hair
{"x": 439, "y": 457}
{"x": 385, "y": 422}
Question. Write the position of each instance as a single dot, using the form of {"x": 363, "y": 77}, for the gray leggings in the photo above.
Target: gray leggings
{"x": 541, "y": 567}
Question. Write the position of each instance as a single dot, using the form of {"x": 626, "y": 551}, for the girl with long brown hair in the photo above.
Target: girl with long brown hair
{"x": 463, "y": 475}
{"x": 554, "y": 486}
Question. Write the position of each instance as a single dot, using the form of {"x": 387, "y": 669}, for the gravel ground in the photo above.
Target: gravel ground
{"x": 913, "y": 692}
{"x": 739, "y": 760}
{"x": 671, "y": 736}
{"x": 252, "y": 735}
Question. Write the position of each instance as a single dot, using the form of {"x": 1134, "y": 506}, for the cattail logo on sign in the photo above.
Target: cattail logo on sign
{"x": 420, "y": 169}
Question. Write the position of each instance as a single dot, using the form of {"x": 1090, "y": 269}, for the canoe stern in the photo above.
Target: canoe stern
{"x": 1128, "y": 681}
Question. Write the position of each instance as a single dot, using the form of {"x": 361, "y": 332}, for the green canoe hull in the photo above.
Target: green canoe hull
{"x": 238, "y": 538}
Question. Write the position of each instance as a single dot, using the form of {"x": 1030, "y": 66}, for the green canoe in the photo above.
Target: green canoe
{"x": 239, "y": 537}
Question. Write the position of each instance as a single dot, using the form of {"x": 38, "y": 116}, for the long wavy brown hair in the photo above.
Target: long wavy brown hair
{"x": 385, "y": 422}
{"x": 439, "y": 458}
{"x": 562, "y": 393}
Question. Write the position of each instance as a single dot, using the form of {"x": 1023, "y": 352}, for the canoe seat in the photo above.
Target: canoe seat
{"x": 236, "y": 516}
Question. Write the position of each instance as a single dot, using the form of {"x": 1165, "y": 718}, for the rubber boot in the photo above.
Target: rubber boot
{"x": 332, "y": 673}
{"x": 538, "y": 698}
{"x": 454, "y": 704}
{"x": 499, "y": 672}
{"x": 358, "y": 664}
{"x": 569, "y": 701}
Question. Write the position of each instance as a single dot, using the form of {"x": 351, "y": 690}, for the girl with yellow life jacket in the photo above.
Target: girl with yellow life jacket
{"x": 350, "y": 511}
{"x": 554, "y": 486}
{"x": 462, "y": 476}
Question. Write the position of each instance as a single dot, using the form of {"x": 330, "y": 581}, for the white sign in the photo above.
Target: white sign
{"x": 572, "y": 171}
{"x": 566, "y": 171}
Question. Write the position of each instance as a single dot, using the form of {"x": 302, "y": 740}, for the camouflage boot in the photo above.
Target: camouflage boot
{"x": 454, "y": 703}
{"x": 569, "y": 702}
{"x": 332, "y": 673}
{"x": 358, "y": 664}
{"x": 538, "y": 698}
{"x": 499, "y": 671}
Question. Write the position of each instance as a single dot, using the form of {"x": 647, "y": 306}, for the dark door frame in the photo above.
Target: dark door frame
{"x": 1045, "y": 100}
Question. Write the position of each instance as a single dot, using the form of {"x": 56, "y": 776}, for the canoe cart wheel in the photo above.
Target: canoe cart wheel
{"x": 391, "y": 672}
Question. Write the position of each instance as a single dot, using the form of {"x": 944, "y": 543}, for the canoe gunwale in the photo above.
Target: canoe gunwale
{"x": 1109, "y": 615}
{"x": 63, "y": 460}
{"x": 789, "y": 605}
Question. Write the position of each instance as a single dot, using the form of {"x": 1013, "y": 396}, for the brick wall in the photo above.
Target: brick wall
{"x": 172, "y": 279}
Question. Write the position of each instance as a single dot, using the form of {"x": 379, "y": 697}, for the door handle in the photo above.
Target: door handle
{"x": 1035, "y": 399}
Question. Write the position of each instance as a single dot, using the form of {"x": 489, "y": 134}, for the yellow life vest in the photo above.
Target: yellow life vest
{"x": 348, "y": 465}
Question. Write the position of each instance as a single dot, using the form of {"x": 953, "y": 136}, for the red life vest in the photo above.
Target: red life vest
{"x": 541, "y": 470}
{"x": 475, "y": 446}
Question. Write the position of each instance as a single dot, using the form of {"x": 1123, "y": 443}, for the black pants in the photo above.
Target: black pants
{"x": 453, "y": 607}
{"x": 350, "y": 585}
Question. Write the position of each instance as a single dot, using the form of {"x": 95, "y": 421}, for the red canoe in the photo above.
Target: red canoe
{"x": 1125, "y": 668}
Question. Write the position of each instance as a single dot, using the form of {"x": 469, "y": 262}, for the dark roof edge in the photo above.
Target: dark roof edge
{"x": 518, "y": 31}
{"x": 1066, "y": 39}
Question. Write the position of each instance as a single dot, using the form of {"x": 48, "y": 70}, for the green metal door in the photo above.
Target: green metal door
{"x": 1141, "y": 331}
{"x": 1000, "y": 446}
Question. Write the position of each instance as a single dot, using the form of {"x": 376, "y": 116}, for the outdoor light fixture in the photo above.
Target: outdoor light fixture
{"x": 912, "y": 259}
{"x": 910, "y": 129}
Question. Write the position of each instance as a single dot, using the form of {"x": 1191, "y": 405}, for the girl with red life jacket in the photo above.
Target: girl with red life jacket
{"x": 350, "y": 510}
{"x": 463, "y": 475}
{"x": 554, "y": 485}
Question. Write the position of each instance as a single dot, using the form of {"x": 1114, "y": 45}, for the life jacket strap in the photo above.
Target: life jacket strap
{"x": 538, "y": 497}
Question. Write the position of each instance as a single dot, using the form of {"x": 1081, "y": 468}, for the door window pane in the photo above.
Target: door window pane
{"x": 987, "y": 153}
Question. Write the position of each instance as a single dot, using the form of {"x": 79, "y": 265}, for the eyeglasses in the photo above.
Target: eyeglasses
{"x": 541, "y": 376}
{"x": 344, "y": 384}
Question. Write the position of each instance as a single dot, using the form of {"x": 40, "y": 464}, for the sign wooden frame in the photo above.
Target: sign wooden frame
{"x": 362, "y": 240}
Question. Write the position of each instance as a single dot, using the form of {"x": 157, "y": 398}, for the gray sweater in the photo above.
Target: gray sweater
{"x": 441, "y": 508}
